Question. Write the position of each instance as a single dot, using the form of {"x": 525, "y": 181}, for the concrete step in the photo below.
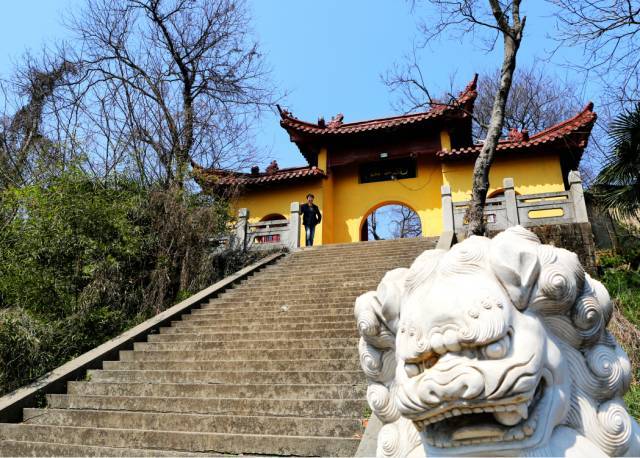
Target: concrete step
{"x": 311, "y": 306}
{"x": 238, "y": 376}
{"x": 354, "y": 258}
{"x": 352, "y": 364}
{"x": 312, "y": 408}
{"x": 266, "y": 321}
{"x": 319, "y": 277}
{"x": 241, "y": 355}
{"x": 262, "y": 294}
{"x": 201, "y": 390}
{"x": 337, "y": 342}
{"x": 183, "y": 441}
{"x": 31, "y": 448}
{"x": 251, "y": 327}
{"x": 346, "y": 263}
{"x": 197, "y": 423}
{"x": 347, "y": 332}
{"x": 276, "y": 312}
{"x": 350, "y": 264}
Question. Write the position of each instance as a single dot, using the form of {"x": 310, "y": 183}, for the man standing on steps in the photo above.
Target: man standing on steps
{"x": 310, "y": 218}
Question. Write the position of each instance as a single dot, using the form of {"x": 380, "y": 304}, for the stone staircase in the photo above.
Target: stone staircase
{"x": 268, "y": 367}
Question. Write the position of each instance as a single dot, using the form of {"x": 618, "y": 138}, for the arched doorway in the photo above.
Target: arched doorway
{"x": 390, "y": 220}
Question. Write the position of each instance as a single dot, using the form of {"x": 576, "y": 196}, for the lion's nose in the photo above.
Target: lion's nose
{"x": 416, "y": 344}
{"x": 458, "y": 382}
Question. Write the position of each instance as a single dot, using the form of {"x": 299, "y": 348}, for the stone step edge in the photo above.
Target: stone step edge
{"x": 222, "y": 384}
{"x": 83, "y": 428}
{"x": 137, "y": 451}
{"x": 173, "y": 398}
{"x": 203, "y": 415}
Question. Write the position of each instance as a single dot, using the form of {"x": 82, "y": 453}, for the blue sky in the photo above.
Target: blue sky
{"x": 328, "y": 55}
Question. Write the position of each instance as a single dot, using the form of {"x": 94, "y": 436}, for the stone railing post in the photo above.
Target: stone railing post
{"x": 577, "y": 195}
{"x": 447, "y": 209}
{"x": 294, "y": 225}
{"x": 241, "y": 228}
{"x": 510, "y": 202}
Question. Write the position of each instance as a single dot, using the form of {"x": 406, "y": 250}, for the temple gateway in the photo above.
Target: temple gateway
{"x": 353, "y": 168}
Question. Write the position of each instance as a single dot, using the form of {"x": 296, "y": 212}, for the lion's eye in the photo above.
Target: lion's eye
{"x": 497, "y": 349}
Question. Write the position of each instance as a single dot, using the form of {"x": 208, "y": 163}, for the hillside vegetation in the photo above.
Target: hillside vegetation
{"x": 621, "y": 276}
{"x": 82, "y": 260}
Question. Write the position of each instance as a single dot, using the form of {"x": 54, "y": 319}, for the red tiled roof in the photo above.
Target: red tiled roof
{"x": 462, "y": 105}
{"x": 218, "y": 177}
{"x": 576, "y": 129}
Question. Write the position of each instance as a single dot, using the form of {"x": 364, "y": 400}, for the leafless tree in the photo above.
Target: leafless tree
{"x": 608, "y": 31}
{"x": 372, "y": 226}
{"x": 27, "y": 151}
{"x": 536, "y": 101}
{"x": 405, "y": 223}
{"x": 490, "y": 20}
{"x": 166, "y": 82}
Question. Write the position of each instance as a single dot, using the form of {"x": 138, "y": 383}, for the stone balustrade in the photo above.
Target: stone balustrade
{"x": 511, "y": 209}
{"x": 269, "y": 234}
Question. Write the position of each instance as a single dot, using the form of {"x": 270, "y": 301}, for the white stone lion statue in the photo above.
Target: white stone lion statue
{"x": 495, "y": 348}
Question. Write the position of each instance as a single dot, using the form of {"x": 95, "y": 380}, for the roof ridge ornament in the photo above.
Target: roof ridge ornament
{"x": 284, "y": 113}
{"x": 272, "y": 167}
{"x": 516, "y": 135}
{"x": 336, "y": 121}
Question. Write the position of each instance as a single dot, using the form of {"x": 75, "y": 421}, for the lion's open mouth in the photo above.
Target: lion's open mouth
{"x": 458, "y": 424}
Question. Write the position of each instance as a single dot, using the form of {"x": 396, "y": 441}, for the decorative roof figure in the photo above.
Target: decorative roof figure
{"x": 516, "y": 135}
{"x": 336, "y": 121}
{"x": 272, "y": 168}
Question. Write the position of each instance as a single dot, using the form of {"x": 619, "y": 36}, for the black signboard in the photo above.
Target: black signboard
{"x": 393, "y": 169}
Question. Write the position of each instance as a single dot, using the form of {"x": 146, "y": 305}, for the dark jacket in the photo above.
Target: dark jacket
{"x": 310, "y": 214}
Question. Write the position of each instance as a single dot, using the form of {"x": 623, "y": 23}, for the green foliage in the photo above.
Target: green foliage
{"x": 632, "y": 399}
{"x": 621, "y": 276}
{"x": 83, "y": 260}
{"x": 618, "y": 183}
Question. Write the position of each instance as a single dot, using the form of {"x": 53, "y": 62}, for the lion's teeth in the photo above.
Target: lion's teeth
{"x": 523, "y": 411}
{"x": 528, "y": 429}
{"x": 508, "y": 418}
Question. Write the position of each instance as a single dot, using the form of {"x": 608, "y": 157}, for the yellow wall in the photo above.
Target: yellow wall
{"x": 531, "y": 175}
{"x": 344, "y": 202}
{"x": 354, "y": 201}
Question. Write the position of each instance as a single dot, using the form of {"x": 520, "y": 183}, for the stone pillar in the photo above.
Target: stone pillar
{"x": 294, "y": 226}
{"x": 447, "y": 209}
{"x": 510, "y": 202}
{"x": 241, "y": 228}
{"x": 577, "y": 195}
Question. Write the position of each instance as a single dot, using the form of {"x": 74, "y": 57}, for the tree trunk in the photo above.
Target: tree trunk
{"x": 480, "y": 182}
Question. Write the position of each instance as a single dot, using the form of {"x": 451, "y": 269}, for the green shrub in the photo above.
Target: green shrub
{"x": 620, "y": 275}
{"x": 82, "y": 260}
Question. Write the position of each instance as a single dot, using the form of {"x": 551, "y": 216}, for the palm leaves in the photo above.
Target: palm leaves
{"x": 618, "y": 183}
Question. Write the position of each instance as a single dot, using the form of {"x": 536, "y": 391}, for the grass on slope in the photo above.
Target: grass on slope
{"x": 621, "y": 276}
